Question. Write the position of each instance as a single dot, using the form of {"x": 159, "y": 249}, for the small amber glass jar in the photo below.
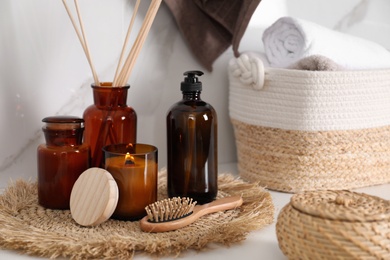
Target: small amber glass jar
{"x": 109, "y": 120}
{"x": 61, "y": 160}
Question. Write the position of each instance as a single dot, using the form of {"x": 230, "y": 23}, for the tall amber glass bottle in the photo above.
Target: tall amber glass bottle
{"x": 109, "y": 120}
{"x": 61, "y": 160}
{"x": 192, "y": 144}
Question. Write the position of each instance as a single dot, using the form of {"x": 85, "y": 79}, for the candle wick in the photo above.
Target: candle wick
{"x": 129, "y": 162}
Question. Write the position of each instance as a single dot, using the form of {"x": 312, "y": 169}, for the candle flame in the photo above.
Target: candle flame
{"x": 129, "y": 159}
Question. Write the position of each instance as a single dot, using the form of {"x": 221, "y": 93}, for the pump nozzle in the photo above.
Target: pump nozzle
{"x": 191, "y": 82}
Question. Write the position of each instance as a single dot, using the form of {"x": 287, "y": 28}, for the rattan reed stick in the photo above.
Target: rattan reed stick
{"x": 82, "y": 37}
{"x": 130, "y": 60}
{"x": 137, "y": 46}
{"x": 126, "y": 42}
{"x": 121, "y": 75}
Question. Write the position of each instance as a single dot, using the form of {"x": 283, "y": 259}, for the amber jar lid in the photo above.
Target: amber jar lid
{"x": 63, "y": 122}
{"x": 63, "y": 119}
{"x": 342, "y": 205}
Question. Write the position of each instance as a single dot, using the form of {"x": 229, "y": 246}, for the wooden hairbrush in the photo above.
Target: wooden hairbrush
{"x": 174, "y": 213}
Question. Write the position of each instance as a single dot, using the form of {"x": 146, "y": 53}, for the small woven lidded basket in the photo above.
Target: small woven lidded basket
{"x": 299, "y": 130}
{"x": 334, "y": 225}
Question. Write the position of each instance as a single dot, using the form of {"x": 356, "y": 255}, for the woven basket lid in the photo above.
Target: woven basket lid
{"x": 342, "y": 205}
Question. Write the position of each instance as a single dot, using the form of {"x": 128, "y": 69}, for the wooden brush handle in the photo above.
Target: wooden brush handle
{"x": 217, "y": 205}
{"x": 199, "y": 211}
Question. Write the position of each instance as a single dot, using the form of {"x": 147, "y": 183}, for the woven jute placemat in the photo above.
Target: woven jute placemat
{"x": 31, "y": 229}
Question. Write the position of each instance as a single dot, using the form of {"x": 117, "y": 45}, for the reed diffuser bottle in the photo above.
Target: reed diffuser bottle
{"x": 192, "y": 144}
{"x": 109, "y": 120}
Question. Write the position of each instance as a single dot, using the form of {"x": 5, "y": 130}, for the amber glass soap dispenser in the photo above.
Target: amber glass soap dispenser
{"x": 192, "y": 144}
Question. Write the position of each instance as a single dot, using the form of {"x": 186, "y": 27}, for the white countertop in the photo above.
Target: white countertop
{"x": 260, "y": 244}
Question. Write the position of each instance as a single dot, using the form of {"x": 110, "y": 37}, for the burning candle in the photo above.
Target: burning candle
{"x": 134, "y": 168}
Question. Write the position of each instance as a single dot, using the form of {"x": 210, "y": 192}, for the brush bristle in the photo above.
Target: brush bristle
{"x": 170, "y": 209}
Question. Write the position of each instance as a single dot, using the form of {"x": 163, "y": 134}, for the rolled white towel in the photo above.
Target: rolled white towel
{"x": 289, "y": 40}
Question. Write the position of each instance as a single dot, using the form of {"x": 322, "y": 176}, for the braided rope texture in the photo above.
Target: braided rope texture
{"x": 308, "y": 100}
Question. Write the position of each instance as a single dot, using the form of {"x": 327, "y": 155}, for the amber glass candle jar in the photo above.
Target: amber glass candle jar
{"x": 134, "y": 168}
{"x": 109, "y": 120}
{"x": 61, "y": 160}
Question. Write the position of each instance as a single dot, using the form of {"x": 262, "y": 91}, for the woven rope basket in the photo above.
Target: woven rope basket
{"x": 310, "y": 130}
{"x": 334, "y": 225}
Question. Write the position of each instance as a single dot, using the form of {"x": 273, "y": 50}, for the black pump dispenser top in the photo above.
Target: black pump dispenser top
{"x": 191, "y": 82}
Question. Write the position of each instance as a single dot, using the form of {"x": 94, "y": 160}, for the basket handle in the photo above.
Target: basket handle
{"x": 249, "y": 69}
